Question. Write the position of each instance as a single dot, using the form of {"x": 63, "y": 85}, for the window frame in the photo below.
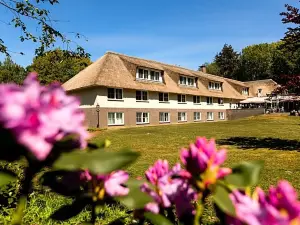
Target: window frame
{"x": 207, "y": 117}
{"x": 221, "y": 103}
{"x": 184, "y": 81}
{"x": 196, "y": 97}
{"x": 219, "y": 115}
{"x": 164, "y": 114}
{"x": 180, "y": 116}
{"x": 212, "y": 85}
{"x": 142, "y": 117}
{"x": 151, "y": 73}
{"x": 115, "y": 94}
{"x": 245, "y": 91}
{"x": 179, "y": 96}
{"x": 115, "y": 119}
{"x": 163, "y": 97}
{"x": 200, "y": 116}
{"x": 142, "y": 96}
{"x": 208, "y": 102}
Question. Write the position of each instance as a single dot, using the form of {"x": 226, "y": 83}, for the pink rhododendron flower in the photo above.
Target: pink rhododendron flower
{"x": 169, "y": 189}
{"x": 278, "y": 207}
{"x": 38, "y": 116}
{"x": 203, "y": 160}
{"x": 109, "y": 184}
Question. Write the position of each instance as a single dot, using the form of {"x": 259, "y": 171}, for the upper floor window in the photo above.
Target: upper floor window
{"x": 188, "y": 81}
{"x": 181, "y": 98}
{"x": 209, "y": 100}
{"x": 163, "y": 97}
{"x": 147, "y": 74}
{"x": 220, "y": 101}
{"x": 196, "y": 99}
{"x": 259, "y": 91}
{"x": 114, "y": 94}
{"x": 141, "y": 95}
{"x": 245, "y": 91}
{"x": 215, "y": 86}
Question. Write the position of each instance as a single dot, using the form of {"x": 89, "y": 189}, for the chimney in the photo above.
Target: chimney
{"x": 203, "y": 68}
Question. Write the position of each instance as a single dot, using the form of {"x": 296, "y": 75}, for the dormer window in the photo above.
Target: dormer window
{"x": 187, "y": 81}
{"x": 245, "y": 91}
{"x": 148, "y": 74}
{"x": 215, "y": 86}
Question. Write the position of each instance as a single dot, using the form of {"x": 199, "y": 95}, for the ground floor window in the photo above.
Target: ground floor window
{"x": 221, "y": 115}
{"x": 164, "y": 117}
{"x": 182, "y": 116}
{"x": 115, "y": 118}
{"x": 197, "y": 116}
{"x": 142, "y": 117}
{"x": 210, "y": 116}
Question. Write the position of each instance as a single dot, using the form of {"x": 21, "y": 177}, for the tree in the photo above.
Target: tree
{"x": 44, "y": 31}
{"x": 256, "y": 61}
{"x": 290, "y": 84}
{"x": 211, "y": 68}
{"x": 292, "y": 36}
{"x": 228, "y": 62}
{"x": 11, "y": 72}
{"x": 58, "y": 65}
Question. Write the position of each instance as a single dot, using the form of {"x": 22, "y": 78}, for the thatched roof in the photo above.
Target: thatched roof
{"x": 267, "y": 85}
{"x": 118, "y": 70}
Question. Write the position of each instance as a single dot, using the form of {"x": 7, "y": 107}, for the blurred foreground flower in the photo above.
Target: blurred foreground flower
{"x": 280, "y": 206}
{"x": 112, "y": 184}
{"x": 203, "y": 162}
{"x": 168, "y": 189}
{"x": 39, "y": 116}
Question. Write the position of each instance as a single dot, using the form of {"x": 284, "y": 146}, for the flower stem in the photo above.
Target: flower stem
{"x": 26, "y": 186}
{"x": 199, "y": 212}
{"x": 93, "y": 221}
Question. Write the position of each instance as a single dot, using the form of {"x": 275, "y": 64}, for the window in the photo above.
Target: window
{"x": 215, "y": 86}
{"x": 221, "y": 115}
{"x": 142, "y": 117}
{"x": 196, "y": 99}
{"x": 197, "y": 116}
{"x": 114, "y": 94}
{"x": 182, "y": 116}
{"x": 210, "y": 116}
{"x": 245, "y": 91}
{"x": 141, "y": 95}
{"x": 181, "y": 98}
{"x": 220, "y": 101}
{"x": 163, "y": 97}
{"x": 188, "y": 81}
{"x": 115, "y": 118}
{"x": 164, "y": 117}
{"x": 146, "y": 74}
{"x": 209, "y": 100}
{"x": 259, "y": 90}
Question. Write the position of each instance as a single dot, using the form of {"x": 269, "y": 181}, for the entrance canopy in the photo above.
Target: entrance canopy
{"x": 255, "y": 100}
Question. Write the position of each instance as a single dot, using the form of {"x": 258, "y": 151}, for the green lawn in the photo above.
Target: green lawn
{"x": 272, "y": 138}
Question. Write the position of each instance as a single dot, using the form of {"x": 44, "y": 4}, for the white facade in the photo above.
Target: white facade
{"x": 90, "y": 98}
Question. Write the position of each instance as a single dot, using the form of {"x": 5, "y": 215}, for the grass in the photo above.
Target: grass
{"x": 272, "y": 138}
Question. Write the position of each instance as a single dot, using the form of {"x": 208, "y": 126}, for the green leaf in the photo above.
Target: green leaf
{"x": 6, "y": 177}
{"x": 157, "y": 219}
{"x": 97, "y": 162}
{"x": 222, "y": 200}
{"x": 19, "y": 213}
{"x": 66, "y": 183}
{"x": 68, "y": 211}
{"x": 136, "y": 199}
{"x": 245, "y": 174}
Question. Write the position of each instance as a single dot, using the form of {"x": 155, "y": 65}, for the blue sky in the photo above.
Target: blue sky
{"x": 187, "y": 33}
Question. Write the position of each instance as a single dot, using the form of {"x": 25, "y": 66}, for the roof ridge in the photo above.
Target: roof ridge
{"x": 259, "y": 80}
{"x": 166, "y": 64}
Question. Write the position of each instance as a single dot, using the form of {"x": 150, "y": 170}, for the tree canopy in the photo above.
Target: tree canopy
{"x": 58, "y": 65}
{"x": 44, "y": 31}
{"x": 11, "y": 72}
{"x": 227, "y": 61}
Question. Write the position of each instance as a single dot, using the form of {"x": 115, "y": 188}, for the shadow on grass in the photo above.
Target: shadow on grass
{"x": 254, "y": 143}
